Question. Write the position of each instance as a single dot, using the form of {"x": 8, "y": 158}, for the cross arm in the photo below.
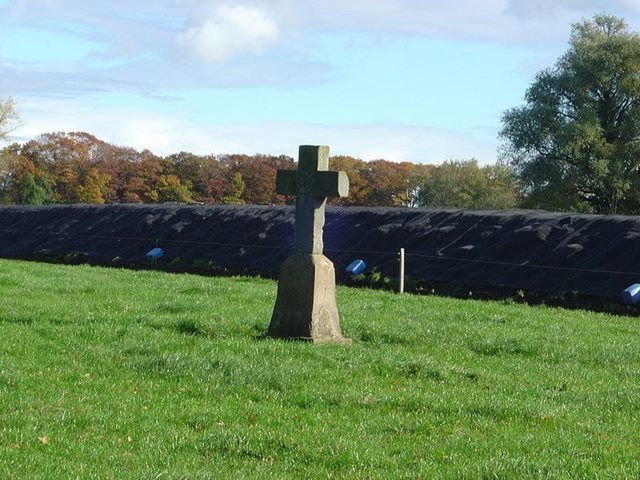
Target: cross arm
{"x": 287, "y": 182}
{"x": 324, "y": 184}
{"x": 331, "y": 184}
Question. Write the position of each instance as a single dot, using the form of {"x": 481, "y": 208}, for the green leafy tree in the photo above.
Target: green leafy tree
{"x": 31, "y": 190}
{"x": 464, "y": 184}
{"x": 237, "y": 190}
{"x": 418, "y": 176}
{"x": 171, "y": 189}
{"x": 575, "y": 144}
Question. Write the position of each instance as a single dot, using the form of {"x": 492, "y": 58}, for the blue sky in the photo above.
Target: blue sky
{"x": 423, "y": 81}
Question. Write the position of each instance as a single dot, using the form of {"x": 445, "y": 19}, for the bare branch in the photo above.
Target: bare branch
{"x": 9, "y": 119}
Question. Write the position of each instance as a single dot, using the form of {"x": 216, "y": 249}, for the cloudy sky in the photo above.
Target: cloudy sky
{"x": 417, "y": 80}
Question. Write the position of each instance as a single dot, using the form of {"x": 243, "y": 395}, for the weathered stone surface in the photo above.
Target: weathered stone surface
{"x": 306, "y": 303}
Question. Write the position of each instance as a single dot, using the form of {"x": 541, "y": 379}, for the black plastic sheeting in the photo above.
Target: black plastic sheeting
{"x": 534, "y": 251}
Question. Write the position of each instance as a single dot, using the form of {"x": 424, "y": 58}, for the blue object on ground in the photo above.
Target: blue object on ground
{"x": 154, "y": 254}
{"x": 356, "y": 267}
{"x": 631, "y": 295}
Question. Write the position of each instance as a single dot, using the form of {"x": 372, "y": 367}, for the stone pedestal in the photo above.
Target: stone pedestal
{"x": 306, "y": 304}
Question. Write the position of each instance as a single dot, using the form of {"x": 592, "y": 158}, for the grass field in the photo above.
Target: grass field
{"x": 144, "y": 375}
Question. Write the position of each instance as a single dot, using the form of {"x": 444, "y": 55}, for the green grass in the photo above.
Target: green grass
{"x": 144, "y": 375}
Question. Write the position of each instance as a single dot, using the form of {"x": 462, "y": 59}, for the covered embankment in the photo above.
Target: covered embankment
{"x": 486, "y": 252}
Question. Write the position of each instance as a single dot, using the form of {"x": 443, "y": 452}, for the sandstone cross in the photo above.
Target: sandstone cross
{"x": 306, "y": 303}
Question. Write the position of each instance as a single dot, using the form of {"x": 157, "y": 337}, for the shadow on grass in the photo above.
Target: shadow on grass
{"x": 26, "y": 320}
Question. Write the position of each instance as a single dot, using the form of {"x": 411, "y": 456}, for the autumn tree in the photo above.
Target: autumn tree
{"x": 144, "y": 178}
{"x": 359, "y": 186}
{"x": 210, "y": 181}
{"x": 91, "y": 185}
{"x": 122, "y": 165}
{"x": 575, "y": 144}
{"x": 258, "y": 174}
{"x": 380, "y": 182}
{"x": 67, "y": 158}
{"x": 137, "y": 180}
{"x": 388, "y": 183}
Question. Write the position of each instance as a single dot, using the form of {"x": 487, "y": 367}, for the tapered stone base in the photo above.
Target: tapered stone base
{"x": 306, "y": 303}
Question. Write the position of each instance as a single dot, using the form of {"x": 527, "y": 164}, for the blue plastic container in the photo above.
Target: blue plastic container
{"x": 154, "y": 254}
{"x": 356, "y": 267}
{"x": 631, "y": 295}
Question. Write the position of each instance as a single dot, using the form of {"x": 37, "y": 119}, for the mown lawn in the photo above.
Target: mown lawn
{"x": 144, "y": 375}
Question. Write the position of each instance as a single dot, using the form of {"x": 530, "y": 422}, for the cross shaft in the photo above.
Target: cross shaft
{"x": 312, "y": 183}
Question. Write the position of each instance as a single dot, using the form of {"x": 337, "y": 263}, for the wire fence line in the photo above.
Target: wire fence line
{"x": 138, "y": 239}
{"x": 159, "y": 240}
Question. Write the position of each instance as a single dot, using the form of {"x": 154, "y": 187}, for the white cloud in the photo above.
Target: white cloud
{"x": 231, "y": 31}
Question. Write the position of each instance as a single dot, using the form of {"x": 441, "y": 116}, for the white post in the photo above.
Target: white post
{"x": 401, "y": 277}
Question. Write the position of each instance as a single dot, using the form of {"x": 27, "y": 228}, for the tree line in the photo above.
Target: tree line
{"x": 79, "y": 168}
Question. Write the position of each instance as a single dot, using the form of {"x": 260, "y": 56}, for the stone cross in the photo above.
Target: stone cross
{"x": 306, "y": 304}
